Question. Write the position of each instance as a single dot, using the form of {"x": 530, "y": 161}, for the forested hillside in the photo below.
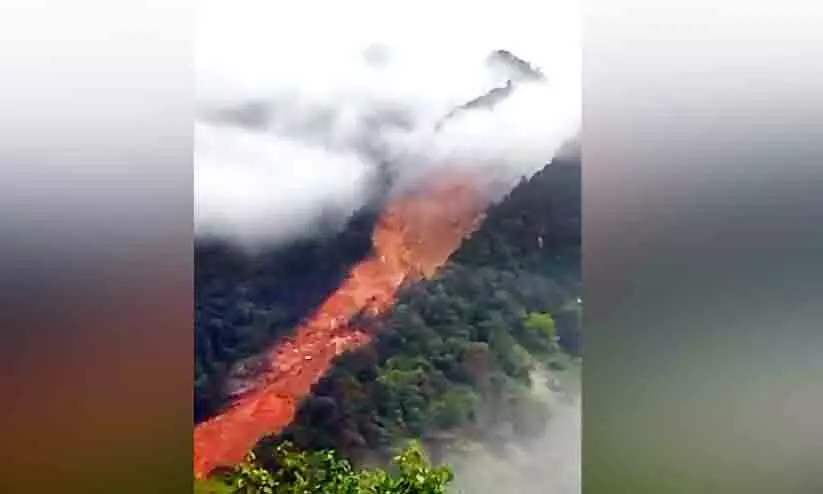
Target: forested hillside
{"x": 451, "y": 361}
{"x": 454, "y": 357}
{"x": 243, "y": 302}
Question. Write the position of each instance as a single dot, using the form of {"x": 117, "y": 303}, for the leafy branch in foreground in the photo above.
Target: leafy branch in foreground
{"x": 301, "y": 472}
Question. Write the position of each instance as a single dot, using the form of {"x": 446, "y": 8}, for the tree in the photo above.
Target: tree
{"x": 541, "y": 325}
{"x": 300, "y": 472}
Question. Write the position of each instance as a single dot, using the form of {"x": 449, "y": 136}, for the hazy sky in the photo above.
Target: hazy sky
{"x": 340, "y": 86}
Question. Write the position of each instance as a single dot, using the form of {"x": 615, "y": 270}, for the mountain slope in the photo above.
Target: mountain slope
{"x": 454, "y": 356}
{"x": 244, "y": 303}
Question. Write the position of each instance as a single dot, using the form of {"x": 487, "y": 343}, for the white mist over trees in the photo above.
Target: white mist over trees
{"x": 299, "y": 105}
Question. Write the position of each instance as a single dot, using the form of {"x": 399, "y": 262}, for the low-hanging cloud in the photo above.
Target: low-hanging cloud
{"x": 545, "y": 463}
{"x": 240, "y": 193}
{"x": 299, "y": 108}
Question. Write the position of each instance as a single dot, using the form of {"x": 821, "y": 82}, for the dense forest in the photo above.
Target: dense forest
{"x": 244, "y": 302}
{"x": 453, "y": 359}
{"x": 455, "y": 355}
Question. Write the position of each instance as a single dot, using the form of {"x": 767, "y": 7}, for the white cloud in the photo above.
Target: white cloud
{"x": 254, "y": 187}
{"x": 325, "y": 116}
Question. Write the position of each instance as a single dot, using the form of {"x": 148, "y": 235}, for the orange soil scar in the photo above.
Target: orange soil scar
{"x": 412, "y": 239}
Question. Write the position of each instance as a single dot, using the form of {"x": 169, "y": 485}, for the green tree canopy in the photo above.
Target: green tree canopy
{"x": 301, "y": 472}
{"x": 542, "y": 325}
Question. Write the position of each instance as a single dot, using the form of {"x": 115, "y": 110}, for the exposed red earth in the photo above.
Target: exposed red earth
{"x": 414, "y": 237}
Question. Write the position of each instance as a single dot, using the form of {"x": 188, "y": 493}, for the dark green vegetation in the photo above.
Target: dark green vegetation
{"x": 454, "y": 357}
{"x": 243, "y": 303}
{"x": 324, "y": 472}
{"x": 452, "y": 360}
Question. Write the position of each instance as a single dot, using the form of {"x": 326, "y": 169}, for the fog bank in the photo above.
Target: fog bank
{"x": 548, "y": 464}
{"x": 300, "y": 109}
